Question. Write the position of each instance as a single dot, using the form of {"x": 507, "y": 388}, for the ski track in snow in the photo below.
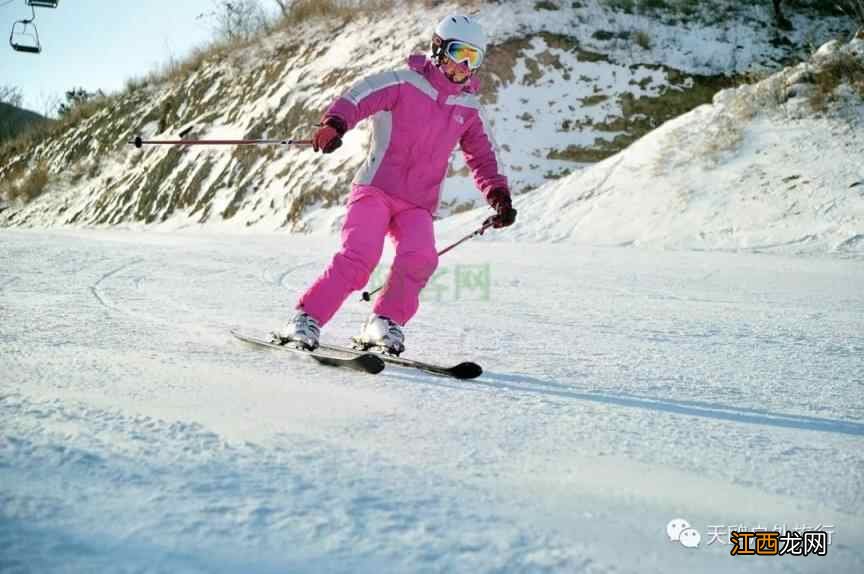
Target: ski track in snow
{"x": 137, "y": 435}
{"x": 94, "y": 289}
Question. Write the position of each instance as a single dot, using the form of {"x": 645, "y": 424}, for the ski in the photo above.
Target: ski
{"x": 358, "y": 361}
{"x": 464, "y": 371}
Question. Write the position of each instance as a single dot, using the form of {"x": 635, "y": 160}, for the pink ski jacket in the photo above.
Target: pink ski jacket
{"x": 418, "y": 117}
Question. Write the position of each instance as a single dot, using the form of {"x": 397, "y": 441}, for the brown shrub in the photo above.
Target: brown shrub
{"x": 845, "y": 68}
{"x": 31, "y": 187}
{"x": 302, "y": 10}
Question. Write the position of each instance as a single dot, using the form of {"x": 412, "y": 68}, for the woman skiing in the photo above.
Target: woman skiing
{"x": 419, "y": 115}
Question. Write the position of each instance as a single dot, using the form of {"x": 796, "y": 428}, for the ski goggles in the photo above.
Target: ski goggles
{"x": 461, "y": 52}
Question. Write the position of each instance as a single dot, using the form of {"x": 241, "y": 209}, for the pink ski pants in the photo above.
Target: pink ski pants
{"x": 371, "y": 215}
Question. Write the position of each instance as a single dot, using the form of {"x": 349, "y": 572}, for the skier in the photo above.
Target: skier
{"x": 419, "y": 115}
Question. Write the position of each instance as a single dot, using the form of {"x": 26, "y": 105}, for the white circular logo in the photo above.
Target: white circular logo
{"x": 675, "y": 527}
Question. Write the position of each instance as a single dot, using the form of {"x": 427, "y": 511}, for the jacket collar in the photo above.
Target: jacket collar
{"x": 427, "y": 68}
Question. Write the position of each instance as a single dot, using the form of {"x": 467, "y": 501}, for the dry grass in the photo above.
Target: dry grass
{"x": 304, "y": 10}
{"x": 176, "y": 70}
{"x": 642, "y": 39}
{"x": 28, "y": 188}
{"x": 844, "y": 69}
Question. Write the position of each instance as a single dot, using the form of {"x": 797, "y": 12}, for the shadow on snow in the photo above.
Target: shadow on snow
{"x": 533, "y": 385}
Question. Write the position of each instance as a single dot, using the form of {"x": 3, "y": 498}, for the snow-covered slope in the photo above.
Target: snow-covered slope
{"x": 757, "y": 170}
{"x": 137, "y": 436}
{"x": 568, "y": 82}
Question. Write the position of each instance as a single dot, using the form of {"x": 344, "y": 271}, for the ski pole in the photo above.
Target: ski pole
{"x": 138, "y": 142}
{"x": 367, "y": 295}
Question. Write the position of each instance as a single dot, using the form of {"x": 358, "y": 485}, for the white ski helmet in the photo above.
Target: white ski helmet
{"x": 461, "y": 28}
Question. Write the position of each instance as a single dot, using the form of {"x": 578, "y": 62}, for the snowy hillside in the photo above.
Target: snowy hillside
{"x": 568, "y": 83}
{"x": 757, "y": 170}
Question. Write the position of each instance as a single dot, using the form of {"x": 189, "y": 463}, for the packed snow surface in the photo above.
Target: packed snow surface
{"x": 623, "y": 388}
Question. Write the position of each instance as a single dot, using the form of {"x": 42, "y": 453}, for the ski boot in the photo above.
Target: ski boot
{"x": 380, "y": 335}
{"x": 302, "y": 332}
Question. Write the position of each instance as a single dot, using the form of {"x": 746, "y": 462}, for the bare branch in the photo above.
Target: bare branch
{"x": 11, "y": 95}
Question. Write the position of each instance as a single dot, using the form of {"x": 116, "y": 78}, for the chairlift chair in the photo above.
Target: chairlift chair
{"x": 22, "y": 39}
